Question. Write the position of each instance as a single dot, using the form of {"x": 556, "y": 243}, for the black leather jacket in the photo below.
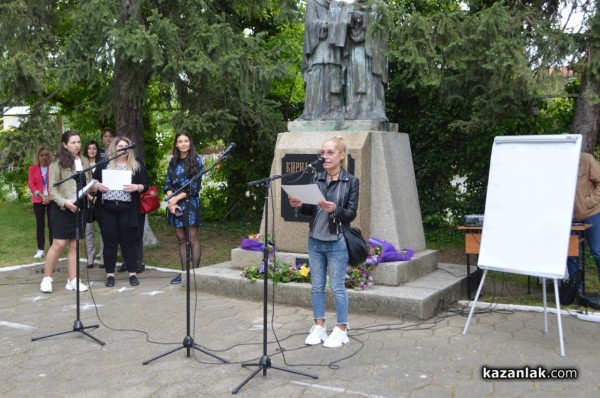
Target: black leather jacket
{"x": 346, "y": 202}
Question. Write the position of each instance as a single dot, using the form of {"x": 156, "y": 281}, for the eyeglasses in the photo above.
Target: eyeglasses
{"x": 328, "y": 153}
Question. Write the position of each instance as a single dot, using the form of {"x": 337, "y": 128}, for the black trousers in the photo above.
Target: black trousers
{"x": 115, "y": 230}
{"x": 42, "y": 213}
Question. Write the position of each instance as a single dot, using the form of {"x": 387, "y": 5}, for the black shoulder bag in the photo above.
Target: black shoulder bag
{"x": 358, "y": 248}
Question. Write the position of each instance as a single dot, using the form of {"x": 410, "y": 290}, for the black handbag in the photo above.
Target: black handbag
{"x": 568, "y": 289}
{"x": 358, "y": 248}
{"x": 91, "y": 213}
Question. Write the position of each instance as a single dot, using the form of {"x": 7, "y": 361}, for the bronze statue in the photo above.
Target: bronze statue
{"x": 343, "y": 66}
{"x": 366, "y": 65}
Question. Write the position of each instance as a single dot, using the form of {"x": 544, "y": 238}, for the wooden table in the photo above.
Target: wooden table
{"x": 473, "y": 243}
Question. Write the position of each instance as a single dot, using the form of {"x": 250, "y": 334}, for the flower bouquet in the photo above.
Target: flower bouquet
{"x": 359, "y": 277}
{"x": 256, "y": 242}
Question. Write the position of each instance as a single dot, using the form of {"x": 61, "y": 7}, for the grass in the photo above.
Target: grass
{"x": 503, "y": 287}
{"x": 17, "y": 233}
{"x": 18, "y": 244}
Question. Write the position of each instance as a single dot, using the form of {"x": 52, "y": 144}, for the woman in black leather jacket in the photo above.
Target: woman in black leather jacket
{"x": 326, "y": 244}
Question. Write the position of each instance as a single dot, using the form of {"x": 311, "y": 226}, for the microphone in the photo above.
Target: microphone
{"x": 228, "y": 149}
{"x": 128, "y": 147}
{"x": 317, "y": 162}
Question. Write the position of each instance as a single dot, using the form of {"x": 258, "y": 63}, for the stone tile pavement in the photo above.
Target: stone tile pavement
{"x": 386, "y": 356}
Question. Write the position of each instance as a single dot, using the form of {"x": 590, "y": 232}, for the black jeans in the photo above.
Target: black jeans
{"x": 115, "y": 230}
{"x": 42, "y": 212}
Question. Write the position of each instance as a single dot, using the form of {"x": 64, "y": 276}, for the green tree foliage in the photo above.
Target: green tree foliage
{"x": 211, "y": 65}
{"x": 459, "y": 77}
{"x": 461, "y": 73}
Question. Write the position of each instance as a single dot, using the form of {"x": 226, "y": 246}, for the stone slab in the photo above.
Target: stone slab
{"x": 341, "y": 125}
{"x": 419, "y": 298}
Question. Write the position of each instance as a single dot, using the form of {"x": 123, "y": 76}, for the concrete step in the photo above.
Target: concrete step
{"x": 419, "y": 298}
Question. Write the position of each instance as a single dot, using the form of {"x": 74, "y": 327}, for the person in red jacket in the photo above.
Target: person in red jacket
{"x": 40, "y": 197}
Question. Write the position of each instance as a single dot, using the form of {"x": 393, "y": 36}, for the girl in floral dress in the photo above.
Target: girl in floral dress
{"x": 184, "y": 165}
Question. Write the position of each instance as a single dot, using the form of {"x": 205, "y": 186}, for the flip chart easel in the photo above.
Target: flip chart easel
{"x": 528, "y": 210}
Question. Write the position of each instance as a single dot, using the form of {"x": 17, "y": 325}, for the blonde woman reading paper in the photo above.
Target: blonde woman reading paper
{"x": 327, "y": 250}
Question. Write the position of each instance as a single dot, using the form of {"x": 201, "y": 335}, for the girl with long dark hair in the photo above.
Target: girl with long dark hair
{"x": 64, "y": 213}
{"x": 184, "y": 165}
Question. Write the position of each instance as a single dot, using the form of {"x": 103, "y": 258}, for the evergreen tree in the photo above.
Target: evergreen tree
{"x": 208, "y": 61}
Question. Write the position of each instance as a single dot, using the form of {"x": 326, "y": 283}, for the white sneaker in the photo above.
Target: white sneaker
{"x": 46, "y": 285}
{"x": 317, "y": 335}
{"x": 72, "y": 285}
{"x": 337, "y": 338}
{"x": 39, "y": 254}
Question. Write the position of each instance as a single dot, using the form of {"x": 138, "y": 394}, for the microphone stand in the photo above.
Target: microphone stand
{"x": 188, "y": 341}
{"x": 78, "y": 176}
{"x": 265, "y": 362}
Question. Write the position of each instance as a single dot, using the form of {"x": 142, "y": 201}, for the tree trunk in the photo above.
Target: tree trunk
{"x": 586, "y": 120}
{"x": 131, "y": 78}
{"x": 130, "y": 81}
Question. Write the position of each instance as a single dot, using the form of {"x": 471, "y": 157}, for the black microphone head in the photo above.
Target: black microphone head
{"x": 126, "y": 148}
{"x": 229, "y": 148}
{"x": 317, "y": 162}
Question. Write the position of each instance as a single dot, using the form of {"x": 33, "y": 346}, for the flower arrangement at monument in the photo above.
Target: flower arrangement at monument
{"x": 279, "y": 272}
{"x": 358, "y": 278}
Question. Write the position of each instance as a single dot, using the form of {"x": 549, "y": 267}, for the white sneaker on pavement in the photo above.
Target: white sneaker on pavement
{"x": 39, "y": 254}
{"x": 46, "y": 285}
{"x": 72, "y": 285}
{"x": 337, "y": 338}
{"x": 317, "y": 335}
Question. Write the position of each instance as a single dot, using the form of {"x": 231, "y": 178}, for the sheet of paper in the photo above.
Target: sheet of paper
{"x": 309, "y": 193}
{"x": 82, "y": 192}
{"x": 115, "y": 179}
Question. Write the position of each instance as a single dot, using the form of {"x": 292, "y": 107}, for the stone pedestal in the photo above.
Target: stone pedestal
{"x": 388, "y": 205}
{"x": 388, "y": 209}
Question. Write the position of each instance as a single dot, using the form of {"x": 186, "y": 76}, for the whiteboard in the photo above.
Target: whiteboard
{"x": 529, "y": 204}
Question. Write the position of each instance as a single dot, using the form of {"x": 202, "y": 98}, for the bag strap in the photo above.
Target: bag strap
{"x": 341, "y": 224}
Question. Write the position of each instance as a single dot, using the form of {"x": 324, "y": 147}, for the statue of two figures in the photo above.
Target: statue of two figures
{"x": 344, "y": 65}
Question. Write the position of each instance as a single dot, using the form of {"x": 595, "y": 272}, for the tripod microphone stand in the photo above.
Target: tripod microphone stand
{"x": 77, "y": 325}
{"x": 188, "y": 342}
{"x": 265, "y": 362}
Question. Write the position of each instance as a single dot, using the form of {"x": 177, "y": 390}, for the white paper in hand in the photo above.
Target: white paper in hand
{"x": 308, "y": 193}
{"x": 115, "y": 179}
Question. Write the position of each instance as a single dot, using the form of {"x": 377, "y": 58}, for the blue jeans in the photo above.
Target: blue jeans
{"x": 592, "y": 237}
{"x": 328, "y": 258}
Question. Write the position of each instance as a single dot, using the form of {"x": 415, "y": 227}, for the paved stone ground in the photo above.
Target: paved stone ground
{"x": 386, "y": 357}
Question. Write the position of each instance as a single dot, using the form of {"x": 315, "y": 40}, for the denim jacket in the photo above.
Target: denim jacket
{"x": 345, "y": 196}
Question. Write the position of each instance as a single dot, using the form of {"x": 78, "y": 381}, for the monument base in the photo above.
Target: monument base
{"x": 341, "y": 125}
{"x": 388, "y": 204}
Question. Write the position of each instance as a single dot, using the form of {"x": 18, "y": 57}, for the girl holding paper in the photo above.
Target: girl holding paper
{"x": 327, "y": 250}
{"x": 65, "y": 213}
{"x": 120, "y": 219}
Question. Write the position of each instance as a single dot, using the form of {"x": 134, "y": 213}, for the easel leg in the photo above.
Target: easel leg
{"x": 475, "y": 301}
{"x": 560, "y": 331}
{"x": 545, "y": 305}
